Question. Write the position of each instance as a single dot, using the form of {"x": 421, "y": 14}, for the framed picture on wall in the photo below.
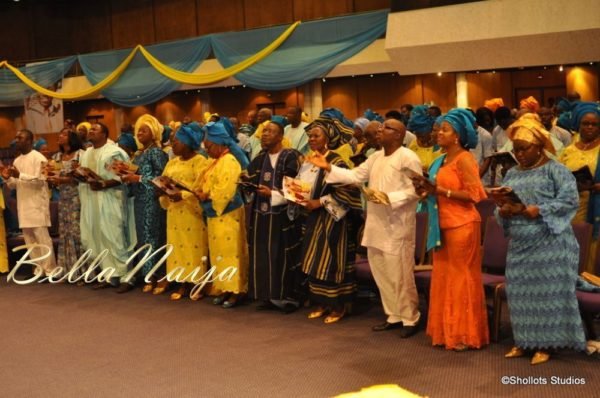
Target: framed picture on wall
{"x": 44, "y": 114}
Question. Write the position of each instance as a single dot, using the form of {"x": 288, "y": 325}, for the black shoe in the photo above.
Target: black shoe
{"x": 124, "y": 288}
{"x": 266, "y": 306}
{"x": 288, "y": 308}
{"x": 386, "y": 326}
{"x": 408, "y": 331}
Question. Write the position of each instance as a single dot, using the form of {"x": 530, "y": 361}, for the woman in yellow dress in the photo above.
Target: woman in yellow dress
{"x": 186, "y": 230}
{"x": 421, "y": 123}
{"x": 586, "y": 152}
{"x": 217, "y": 189}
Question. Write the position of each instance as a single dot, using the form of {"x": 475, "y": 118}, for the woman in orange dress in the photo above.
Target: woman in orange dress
{"x": 457, "y": 311}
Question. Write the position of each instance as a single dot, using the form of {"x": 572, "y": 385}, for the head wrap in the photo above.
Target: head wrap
{"x": 128, "y": 141}
{"x": 280, "y": 120}
{"x": 247, "y": 129}
{"x": 580, "y": 110}
{"x": 529, "y": 103}
{"x": 463, "y": 122}
{"x": 565, "y": 105}
{"x": 439, "y": 120}
{"x": 371, "y": 116}
{"x": 190, "y": 134}
{"x": 153, "y": 124}
{"x": 361, "y": 123}
{"x": 305, "y": 118}
{"x": 337, "y": 133}
{"x": 168, "y": 129}
{"x": 87, "y": 126}
{"x": 529, "y": 128}
{"x": 334, "y": 113}
{"x": 39, "y": 144}
{"x": 493, "y": 104}
{"x": 420, "y": 120}
{"x": 217, "y": 133}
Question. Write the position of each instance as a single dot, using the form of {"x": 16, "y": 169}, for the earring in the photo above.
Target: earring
{"x": 456, "y": 141}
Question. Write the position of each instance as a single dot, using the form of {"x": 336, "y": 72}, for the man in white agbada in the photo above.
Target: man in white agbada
{"x": 107, "y": 220}
{"x": 33, "y": 202}
{"x": 389, "y": 229}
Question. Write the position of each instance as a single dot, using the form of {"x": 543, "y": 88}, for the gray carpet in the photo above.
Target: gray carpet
{"x": 68, "y": 341}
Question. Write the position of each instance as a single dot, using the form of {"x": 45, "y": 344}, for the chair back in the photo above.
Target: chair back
{"x": 421, "y": 238}
{"x": 495, "y": 247}
{"x": 583, "y": 234}
{"x": 486, "y": 209}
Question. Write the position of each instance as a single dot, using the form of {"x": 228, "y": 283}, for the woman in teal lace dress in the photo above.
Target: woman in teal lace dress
{"x": 543, "y": 254}
{"x": 150, "y": 218}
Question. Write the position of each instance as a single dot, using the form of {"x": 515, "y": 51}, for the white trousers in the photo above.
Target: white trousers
{"x": 395, "y": 278}
{"x": 40, "y": 236}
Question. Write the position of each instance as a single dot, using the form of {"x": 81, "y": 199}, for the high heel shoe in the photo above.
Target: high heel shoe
{"x": 231, "y": 302}
{"x": 178, "y": 295}
{"x": 219, "y": 300}
{"x": 148, "y": 287}
{"x": 318, "y": 313}
{"x": 160, "y": 288}
{"x": 336, "y": 315}
{"x": 540, "y": 357}
{"x": 514, "y": 352}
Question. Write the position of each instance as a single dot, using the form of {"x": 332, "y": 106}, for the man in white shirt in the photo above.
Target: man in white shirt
{"x": 33, "y": 203}
{"x": 389, "y": 229}
{"x": 294, "y": 131}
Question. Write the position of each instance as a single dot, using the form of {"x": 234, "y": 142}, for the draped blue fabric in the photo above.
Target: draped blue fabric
{"x": 310, "y": 52}
{"x": 45, "y": 74}
{"x": 140, "y": 83}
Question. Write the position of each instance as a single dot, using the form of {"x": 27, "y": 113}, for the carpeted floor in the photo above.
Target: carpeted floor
{"x": 68, "y": 341}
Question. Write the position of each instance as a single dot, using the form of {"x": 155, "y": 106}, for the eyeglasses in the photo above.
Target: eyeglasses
{"x": 589, "y": 124}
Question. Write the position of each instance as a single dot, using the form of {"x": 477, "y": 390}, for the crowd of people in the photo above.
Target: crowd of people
{"x": 232, "y": 211}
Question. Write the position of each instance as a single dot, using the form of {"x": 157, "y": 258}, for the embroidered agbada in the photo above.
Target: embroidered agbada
{"x": 389, "y": 233}
{"x": 273, "y": 239}
{"x": 107, "y": 219}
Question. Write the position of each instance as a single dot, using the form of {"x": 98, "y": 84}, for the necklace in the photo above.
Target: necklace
{"x": 589, "y": 144}
{"x": 537, "y": 163}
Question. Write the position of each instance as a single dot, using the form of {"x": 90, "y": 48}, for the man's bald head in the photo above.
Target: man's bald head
{"x": 371, "y": 133}
{"x": 391, "y": 134}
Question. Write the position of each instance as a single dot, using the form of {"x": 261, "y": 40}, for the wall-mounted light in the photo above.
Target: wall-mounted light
{"x": 324, "y": 80}
{"x": 439, "y": 73}
{"x": 476, "y": 71}
{"x": 560, "y": 68}
{"x": 370, "y": 75}
{"x": 494, "y": 72}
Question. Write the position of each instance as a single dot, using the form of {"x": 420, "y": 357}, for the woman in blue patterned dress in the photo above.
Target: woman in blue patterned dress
{"x": 69, "y": 246}
{"x": 543, "y": 254}
{"x": 150, "y": 218}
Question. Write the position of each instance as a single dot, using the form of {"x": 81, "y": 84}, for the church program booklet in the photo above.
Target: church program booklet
{"x": 84, "y": 174}
{"x": 503, "y": 195}
{"x": 296, "y": 190}
{"x": 375, "y": 196}
{"x": 168, "y": 185}
{"x": 121, "y": 168}
{"x": 584, "y": 175}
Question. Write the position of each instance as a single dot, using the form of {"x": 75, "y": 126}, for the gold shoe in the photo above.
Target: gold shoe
{"x": 197, "y": 296}
{"x": 540, "y": 357}
{"x": 158, "y": 290}
{"x": 148, "y": 287}
{"x": 334, "y": 317}
{"x": 317, "y": 314}
{"x": 514, "y": 352}
{"x": 176, "y": 296}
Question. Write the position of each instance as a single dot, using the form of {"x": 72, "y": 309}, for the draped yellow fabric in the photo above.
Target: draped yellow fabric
{"x": 191, "y": 78}
{"x": 182, "y": 77}
{"x": 94, "y": 90}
